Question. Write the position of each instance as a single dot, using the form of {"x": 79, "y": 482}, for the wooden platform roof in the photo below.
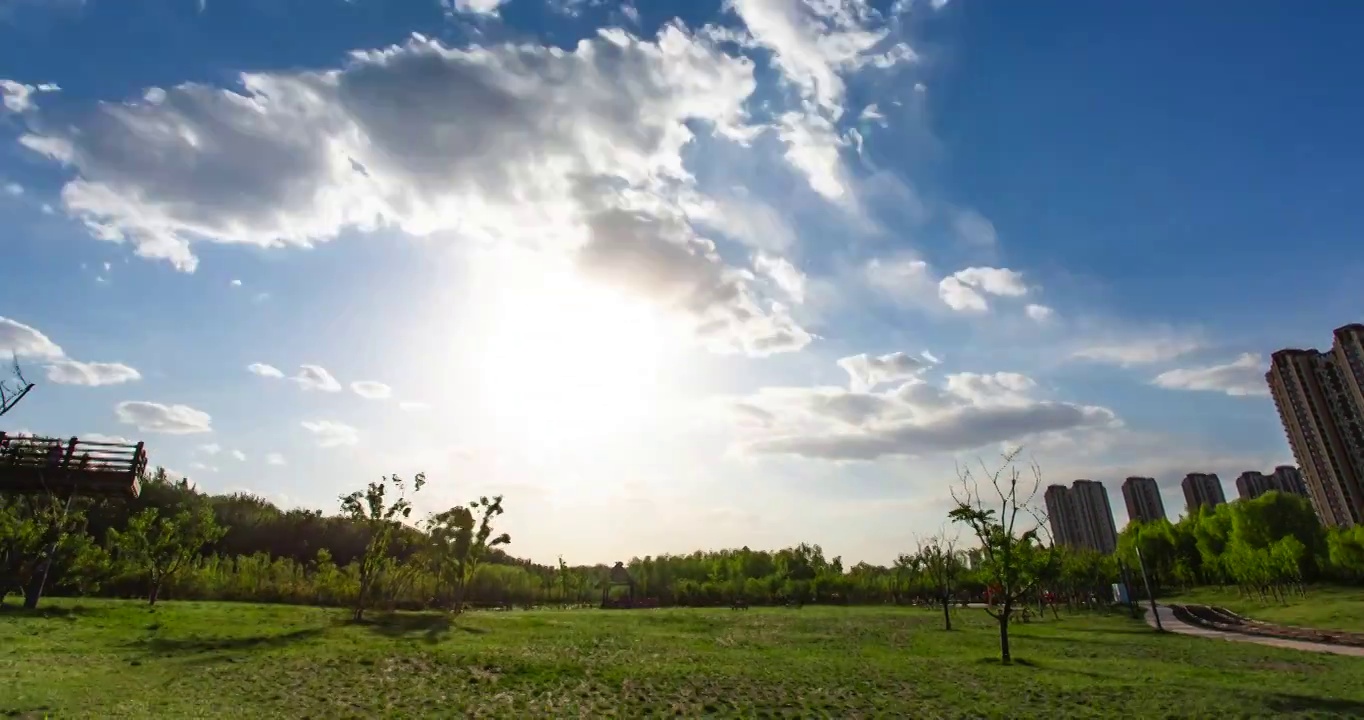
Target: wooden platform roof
{"x": 70, "y": 465}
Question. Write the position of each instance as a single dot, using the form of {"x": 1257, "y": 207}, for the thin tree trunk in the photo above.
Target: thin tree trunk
{"x": 156, "y": 590}
{"x": 1004, "y": 655}
{"x": 946, "y": 612}
{"x": 34, "y": 592}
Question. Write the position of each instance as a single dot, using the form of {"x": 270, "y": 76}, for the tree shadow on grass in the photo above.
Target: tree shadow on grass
{"x": 433, "y": 627}
{"x": 1016, "y": 662}
{"x": 1288, "y": 703}
{"x": 70, "y": 613}
{"x": 195, "y": 645}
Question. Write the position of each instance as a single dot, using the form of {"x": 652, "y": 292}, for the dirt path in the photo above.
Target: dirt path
{"x": 1173, "y": 624}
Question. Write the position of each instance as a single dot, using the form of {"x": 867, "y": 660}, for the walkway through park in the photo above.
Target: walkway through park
{"x": 1173, "y": 624}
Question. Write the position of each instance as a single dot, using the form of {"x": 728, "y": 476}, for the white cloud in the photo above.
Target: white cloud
{"x": 238, "y": 455}
{"x": 102, "y": 438}
{"x": 211, "y": 449}
{"x": 1244, "y": 376}
{"x": 961, "y": 297}
{"x": 815, "y": 43}
{"x": 974, "y": 230}
{"x": 205, "y": 468}
{"x": 916, "y": 418}
{"x": 158, "y": 418}
{"x": 866, "y": 372}
{"x": 274, "y": 459}
{"x": 872, "y": 113}
{"x": 494, "y": 141}
{"x": 371, "y": 390}
{"x": 313, "y": 377}
{"x": 14, "y": 189}
{"x": 414, "y": 406}
{"x": 996, "y": 281}
{"x": 1138, "y": 348}
{"x": 814, "y": 147}
{"x": 1040, "y": 313}
{"x": 73, "y": 372}
{"x": 472, "y": 7}
{"x": 965, "y": 290}
{"x": 786, "y": 276}
{"x": 904, "y": 278}
{"x": 17, "y": 97}
{"x": 264, "y": 370}
{"x": 747, "y": 220}
{"x": 503, "y": 143}
{"x": 332, "y": 434}
{"x": 236, "y": 283}
{"x": 24, "y": 341}
{"x": 664, "y": 260}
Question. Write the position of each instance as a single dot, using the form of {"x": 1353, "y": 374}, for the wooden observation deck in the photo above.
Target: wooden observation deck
{"x": 31, "y": 465}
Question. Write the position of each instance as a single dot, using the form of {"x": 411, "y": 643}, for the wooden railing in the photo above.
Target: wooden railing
{"x": 29, "y": 464}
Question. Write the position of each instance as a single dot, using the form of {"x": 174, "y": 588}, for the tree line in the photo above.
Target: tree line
{"x": 174, "y": 541}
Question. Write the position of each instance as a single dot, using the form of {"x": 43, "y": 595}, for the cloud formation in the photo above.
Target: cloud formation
{"x": 168, "y": 419}
{"x": 504, "y": 143}
{"x": 331, "y": 434}
{"x": 24, "y": 341}
{"x": 916, "y": 418}
{"x": 965, "y": 290}
{"x": 73, "y": 372}
{"x": 1244, "y": 376}
{"x": 315, "y": 377}
{"x": 17, "y": 97}
{"x": 1138, "y": 348}
{"x": 663, "y": 259}
{"x": 263, "y": 370}
{"x": 866, "y": 372}
{"x": 371, "y": 390}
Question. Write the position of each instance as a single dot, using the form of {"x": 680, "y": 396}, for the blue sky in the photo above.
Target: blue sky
{"x": 680, "y": 275}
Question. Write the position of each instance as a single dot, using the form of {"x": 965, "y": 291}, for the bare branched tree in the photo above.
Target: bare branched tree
{"x": 12, "y": 390}
{"x": 1015, "y": 560}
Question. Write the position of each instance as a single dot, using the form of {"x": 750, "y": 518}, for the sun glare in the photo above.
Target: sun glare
{"x": 563, "y": 364}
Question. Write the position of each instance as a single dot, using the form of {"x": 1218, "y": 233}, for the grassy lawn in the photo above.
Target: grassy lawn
{"x": 115, "y": 659}
{"x": 1328, "y": 608}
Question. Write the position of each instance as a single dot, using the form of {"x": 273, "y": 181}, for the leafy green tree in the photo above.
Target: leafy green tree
{"x": 1345, "y": 552}
{"x": 36, "y": 533}
{"x": 381, "y": 520}
{"x": 1013, "y": 559}
{"x": 157, "y": 546}
{"x": 461, "y": 542}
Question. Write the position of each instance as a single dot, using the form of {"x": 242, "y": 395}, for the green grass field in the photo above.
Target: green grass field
{"x": 1328, "y": 608}
{"x": 114, "y": 659}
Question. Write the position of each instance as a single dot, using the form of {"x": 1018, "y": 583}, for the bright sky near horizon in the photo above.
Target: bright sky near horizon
{"x": 676, "y": 274}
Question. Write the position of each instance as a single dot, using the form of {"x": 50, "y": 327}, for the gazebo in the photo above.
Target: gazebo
{"x": 617, "y": 576}
{"x": 38, "y": 465}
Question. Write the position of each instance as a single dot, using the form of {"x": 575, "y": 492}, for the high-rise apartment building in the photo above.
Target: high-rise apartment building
{"x": 1285, "y": 478}
{"x": 1252, "y": 484}
{"x": 1320, "y": 399}
{"x": 1081, "y": 516}
{"x": 1202, "y": 489}
{"x": 1065, "y": 526}
{"x": 1096, "y": 515}
{"x": 1142, "y": 497}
